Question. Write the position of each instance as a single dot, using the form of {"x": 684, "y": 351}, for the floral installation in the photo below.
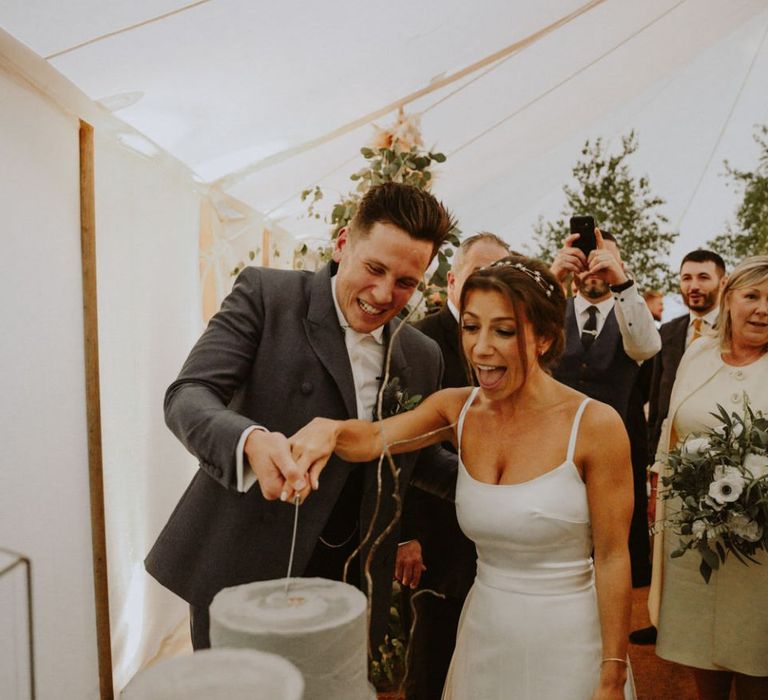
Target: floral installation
{"x": 394, "y": 154}
{"x": 721, "y": 480}
{"x": 403, "y": 135}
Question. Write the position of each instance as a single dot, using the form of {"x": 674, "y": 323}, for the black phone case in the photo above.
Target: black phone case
{"x": 585, "y": 227}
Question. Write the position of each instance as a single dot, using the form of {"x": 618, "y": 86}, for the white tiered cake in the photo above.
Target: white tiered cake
{"x": 218, "y": 674}
{"x": 319, "y": 625}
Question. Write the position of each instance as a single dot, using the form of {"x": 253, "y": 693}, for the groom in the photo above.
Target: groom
{"x": 285, "y": 347}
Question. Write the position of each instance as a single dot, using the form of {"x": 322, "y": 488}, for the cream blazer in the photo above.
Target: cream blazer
{"x": 699, "y": 364}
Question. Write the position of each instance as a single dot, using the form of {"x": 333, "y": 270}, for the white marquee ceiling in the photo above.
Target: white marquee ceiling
{"x": 271, "y": 98}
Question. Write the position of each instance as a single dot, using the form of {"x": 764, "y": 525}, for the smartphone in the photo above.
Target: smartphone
{"x": 585, "y": 227}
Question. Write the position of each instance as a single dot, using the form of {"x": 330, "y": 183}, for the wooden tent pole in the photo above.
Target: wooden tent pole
{"x": 93, "y": 409}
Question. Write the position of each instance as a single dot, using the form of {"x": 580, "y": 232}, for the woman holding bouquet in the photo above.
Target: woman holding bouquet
{"x": 544, "y": 480}
{"x": 718, "y": 628}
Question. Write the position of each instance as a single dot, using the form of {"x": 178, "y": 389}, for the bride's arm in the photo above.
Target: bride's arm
{"x": 608, "y": 475}
{"x": 360, "y": 441}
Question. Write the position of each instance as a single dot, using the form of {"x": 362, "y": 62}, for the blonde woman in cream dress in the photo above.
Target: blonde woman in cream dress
{"x": 719, "y": 629}
{"x": 544, "y": 480}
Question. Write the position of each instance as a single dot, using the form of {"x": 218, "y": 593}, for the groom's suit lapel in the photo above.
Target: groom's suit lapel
{"x": 399, "y": 365}
{"x": 326, "y": 337}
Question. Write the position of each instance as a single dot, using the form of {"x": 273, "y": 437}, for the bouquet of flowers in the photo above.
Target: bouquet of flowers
{"x": 719, "y": 478}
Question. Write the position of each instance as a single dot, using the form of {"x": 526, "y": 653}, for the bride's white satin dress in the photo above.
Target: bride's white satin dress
{"x": 529, "y": 629}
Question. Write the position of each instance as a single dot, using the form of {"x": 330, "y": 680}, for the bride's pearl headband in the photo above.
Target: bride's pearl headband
{"x": 533, "y": 274}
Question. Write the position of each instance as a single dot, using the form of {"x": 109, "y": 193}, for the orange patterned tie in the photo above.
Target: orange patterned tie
{"x": 696, "y": 329}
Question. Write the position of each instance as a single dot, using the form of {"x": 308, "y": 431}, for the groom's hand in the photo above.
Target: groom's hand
{"x": 269, "y": 455}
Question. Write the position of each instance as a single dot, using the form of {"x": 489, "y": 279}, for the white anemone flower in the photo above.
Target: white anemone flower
{"x": 727, "y": 485}
{"x": 756, "y": 465}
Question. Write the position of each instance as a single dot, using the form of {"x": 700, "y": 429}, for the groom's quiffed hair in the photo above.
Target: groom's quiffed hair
{"x": 411, "y": 209}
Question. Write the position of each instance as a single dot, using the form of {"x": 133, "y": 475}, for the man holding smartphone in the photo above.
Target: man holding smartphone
{"x": 609, "y": 332}
{"x": 609, "y": 329}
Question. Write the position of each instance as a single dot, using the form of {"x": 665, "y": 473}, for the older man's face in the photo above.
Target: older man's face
{"x": 481, "y": 254}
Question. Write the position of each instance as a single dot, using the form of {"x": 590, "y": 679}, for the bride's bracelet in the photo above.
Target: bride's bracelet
{"x": 613, "y": 658}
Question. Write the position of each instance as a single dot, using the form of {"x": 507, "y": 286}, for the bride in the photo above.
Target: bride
{"x": 544, "y": 489}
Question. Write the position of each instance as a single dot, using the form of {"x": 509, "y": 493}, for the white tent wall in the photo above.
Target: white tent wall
{"x": 44, "y": 495}
{"x": 147, "y": 219}
{"x": 147, "y": 228}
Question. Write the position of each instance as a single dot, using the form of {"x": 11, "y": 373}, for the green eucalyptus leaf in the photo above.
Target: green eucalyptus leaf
{"x": 705, "y": 570}
{"x": 720, "y": 551}
{"x": 710, "y": 557}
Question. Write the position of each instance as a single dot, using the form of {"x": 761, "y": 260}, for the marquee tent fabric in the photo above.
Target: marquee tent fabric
{"x": 211, "y": 117}
{"x": 267, "y": 99}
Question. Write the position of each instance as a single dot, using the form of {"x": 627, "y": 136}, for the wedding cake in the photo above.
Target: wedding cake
{"x": 218, "y": 674}
{"x": 318, "y": 624}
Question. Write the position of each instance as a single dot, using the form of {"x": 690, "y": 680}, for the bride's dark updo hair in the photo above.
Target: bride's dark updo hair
{"x": 534, "y": 293}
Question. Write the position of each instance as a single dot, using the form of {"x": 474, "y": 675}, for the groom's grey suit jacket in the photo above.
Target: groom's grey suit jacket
{"x": 273, "y": 355}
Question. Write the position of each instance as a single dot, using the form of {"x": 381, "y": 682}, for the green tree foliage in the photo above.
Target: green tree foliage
{"x": 750, "y": 234}
{"x": 621, "y": 204}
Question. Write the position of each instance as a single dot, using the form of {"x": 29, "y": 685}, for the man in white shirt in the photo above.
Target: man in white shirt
{"x": 609, "y": 329}
{"x": 609, "y": 332}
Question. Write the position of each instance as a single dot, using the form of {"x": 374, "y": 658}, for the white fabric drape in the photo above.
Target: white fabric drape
{"x": 149, "y": 315}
